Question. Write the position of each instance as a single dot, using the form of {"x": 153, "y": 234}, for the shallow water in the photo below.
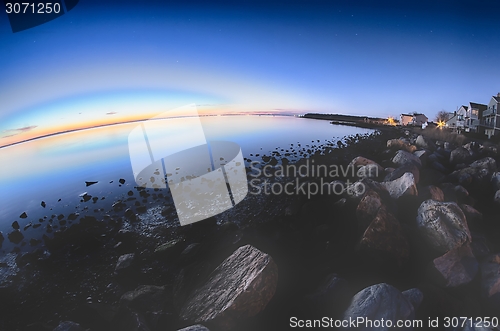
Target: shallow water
{"x": 55, "y": 169}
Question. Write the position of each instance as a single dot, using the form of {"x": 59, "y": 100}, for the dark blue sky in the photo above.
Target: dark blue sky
{"x": 376, "y": 58}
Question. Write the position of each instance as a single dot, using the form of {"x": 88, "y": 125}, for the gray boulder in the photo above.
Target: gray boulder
{"x": 377, "y": 302}
{"x": 402, "y": 157}
{"x": 442, "y": 225}
{"x": 240, "y": 287}
{"x": 460, "y": 155}
{"x": 401, "y": 171}
{"x": 404, "y": 185}
{"x": 421, "y": 142}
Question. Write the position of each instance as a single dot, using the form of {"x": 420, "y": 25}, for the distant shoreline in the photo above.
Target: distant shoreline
{"x": 134, "y": 121}
{"x": 351, "y": 120}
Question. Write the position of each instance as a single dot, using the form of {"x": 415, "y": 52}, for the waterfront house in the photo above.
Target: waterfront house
{"x": 457, "y": 122}
{"x": 490, "y": 120}
{"x": 473, "y": 117}
{"x": 405, "y": 119}
{"x": 413, "y": 119}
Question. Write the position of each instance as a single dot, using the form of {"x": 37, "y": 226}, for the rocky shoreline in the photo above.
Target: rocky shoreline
{"x": 417, "y": 238}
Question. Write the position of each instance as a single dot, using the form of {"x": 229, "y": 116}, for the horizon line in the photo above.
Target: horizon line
{"x": 140, "y": 120}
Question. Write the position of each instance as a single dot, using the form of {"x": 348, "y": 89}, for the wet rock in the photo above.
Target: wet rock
{"x": 168, "y": 246}
{"x": 377, "y": 302}
{"x": 15, "y": 237}
{"x": 124, "y": 262}
{"x": 402, "y": 157}
{"x": 404, "y": 185}
{"x": 122, "y": 181}
{"x": 90, "y": 183}
{"x": 397, "y": 173}
{"x": 69, "y": 326}
{"x": 490, "y": 281}
{"x": 414, "y": 296}
{"x": 460, "y": 155}
{"x": 455, "y": 268}
{"x": 43, "y": 204}
{"x": 15, "y": 225}
{"x": 239, "y": 287}
{"x": 23, "y": 215}
{"x": 442, "y": 225}
{"x": 385, "y": 235}
{"x": 130, "y": 215}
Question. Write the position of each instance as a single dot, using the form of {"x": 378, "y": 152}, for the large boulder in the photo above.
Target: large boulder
{"x": 398, "y": 172}
{"x": 377, "y": 302}
{"x": 359, "y": 162}
{"x": 402, "y": 157}
{"x": 455, "y": 268}
{"x": 385, "y": 235}
{"x": 477, "y": 175}
{"x": 460, "y": 155}
{"x": 404, "y": 185}
{"x": 240, "y": 287}
{"x": 367, "y": 209}
{"x": 442, "y": 225}
{"x": 422, "y": 142}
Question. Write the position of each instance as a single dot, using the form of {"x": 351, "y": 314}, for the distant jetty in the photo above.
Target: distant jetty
{"x": 351, "y": 120}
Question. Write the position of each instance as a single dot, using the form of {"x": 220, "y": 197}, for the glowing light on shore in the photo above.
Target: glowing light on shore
{"x": 441, "y": 124}
{"x": 391, "y": 121}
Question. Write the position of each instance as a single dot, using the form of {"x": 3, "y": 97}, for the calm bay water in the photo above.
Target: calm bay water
{"x": 54, "y": 169}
